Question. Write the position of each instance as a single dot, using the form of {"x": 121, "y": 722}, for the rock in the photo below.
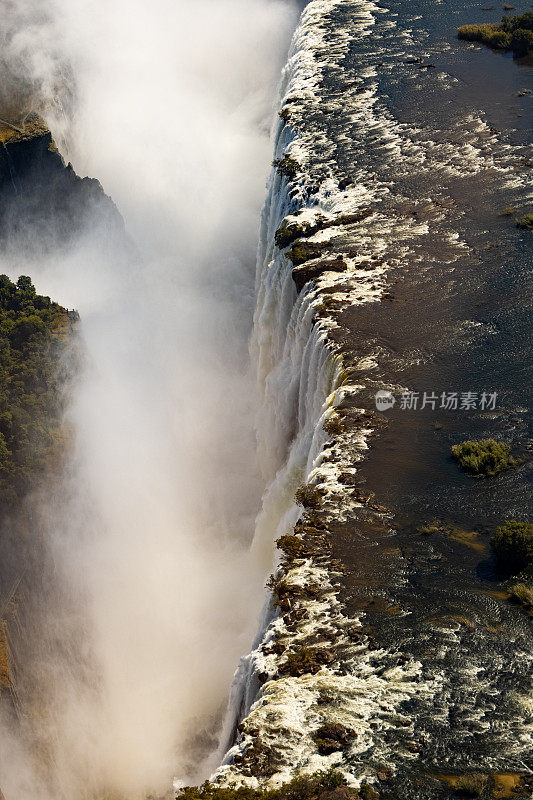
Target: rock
{"x": 333, "y": 737}
{"x": 355, "y": 631}
{"x": 357, "y": 216}
{"x": 310, "y": 272}
{"x": 302, "y": 251}
{"x": 309, "y": 496}
{"x": 307, "y": 660}
{"x": 292, "y": 229}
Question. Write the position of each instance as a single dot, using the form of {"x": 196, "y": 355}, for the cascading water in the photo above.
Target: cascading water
{"x": 298, "y": 381}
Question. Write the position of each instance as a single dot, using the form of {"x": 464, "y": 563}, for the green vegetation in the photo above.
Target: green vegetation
{"x": 512, "y": 33}
{"x": 367, "y": 792}
{"x": 288, "y": 167}
{"x": 484, "y": 457}
{"x": 471, "y": 785}
{"x": 513, "y": 544}
{"x": 290, "y": 230}
{"x": 508, "y": 211}
{"x": 32, "y": 330}
{"x": 304, "y": 787}
{"x": 526, "y": 223}
{"x": 523, "y": 594}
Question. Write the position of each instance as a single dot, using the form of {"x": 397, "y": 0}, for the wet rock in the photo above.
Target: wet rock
{"x": 308, "y": 530}
{"x": 357, "y": 216}
{"x": 302, "y": 251}
{"x": 298, "y": 614}
{"x": 325, "y": 699}
{"x": 311, "y": 272}
{"x": 309, "y": 496}
{"x": 286, "y": 593}
{"x": 307, "y": 660}
{"x": 292, "y": 229}
{"x": 333, "y": 737}
{"x": 355, "y": 632}
{"x": 347, "y": 479}
{"x": 288, "y": 108}
{"x": 294, "y": 547}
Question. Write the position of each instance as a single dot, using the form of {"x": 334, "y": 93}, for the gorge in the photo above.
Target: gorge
{"x": 211, "y": 413}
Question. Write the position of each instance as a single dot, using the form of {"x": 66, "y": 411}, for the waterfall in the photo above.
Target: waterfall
{"x": 298, "y": 381}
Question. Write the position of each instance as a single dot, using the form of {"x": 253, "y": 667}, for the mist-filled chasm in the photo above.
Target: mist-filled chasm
{"x": 150, "y": 591}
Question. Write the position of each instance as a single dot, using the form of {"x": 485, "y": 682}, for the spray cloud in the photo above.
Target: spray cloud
{"x": 153, "y": 595}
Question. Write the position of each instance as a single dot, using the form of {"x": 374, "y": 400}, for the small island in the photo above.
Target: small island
{"x": 512, "y": 33}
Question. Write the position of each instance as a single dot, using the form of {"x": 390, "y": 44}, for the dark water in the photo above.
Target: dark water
{"x": 458, "y": 320}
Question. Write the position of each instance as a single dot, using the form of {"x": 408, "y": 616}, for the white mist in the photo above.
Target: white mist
{"x": 155, "y": 593}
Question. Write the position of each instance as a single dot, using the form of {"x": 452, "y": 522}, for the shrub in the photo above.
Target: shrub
{"x": 368, "y": 792}
{"x": 477, "y": 33}
{"x": 521, "y": 42}
{"x": 522, "y": 594}
{"x": 513, "y": 544}
{"x": 287, "y": 166}
{"x": 499, "y": 39}
{"x": 484, "y": 457}
{"x": 520, "y": 21}
{"x": 526, "y": 222}
{"x": 301, "y": 252}
{"x": 303, "y": 787}
{"x": 333, "y": 425}
{"x": 5, "y": 675}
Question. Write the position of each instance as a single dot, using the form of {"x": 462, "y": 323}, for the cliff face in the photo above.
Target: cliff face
{"x": 43, "y": 203}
